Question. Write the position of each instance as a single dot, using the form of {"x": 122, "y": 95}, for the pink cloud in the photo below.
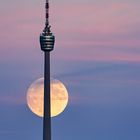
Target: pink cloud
{"x": 77, "y": 26}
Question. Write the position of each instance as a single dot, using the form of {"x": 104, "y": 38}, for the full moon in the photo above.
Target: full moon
{"x": 35, "y": 97}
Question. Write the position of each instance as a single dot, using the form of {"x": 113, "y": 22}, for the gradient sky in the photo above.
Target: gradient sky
{"x": 97, "y": 57}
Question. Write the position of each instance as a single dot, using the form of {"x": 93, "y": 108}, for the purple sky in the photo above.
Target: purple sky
{"x": 97, "y": 56}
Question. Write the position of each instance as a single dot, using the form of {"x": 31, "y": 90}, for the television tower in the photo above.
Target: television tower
{"x": 47, "y": 40}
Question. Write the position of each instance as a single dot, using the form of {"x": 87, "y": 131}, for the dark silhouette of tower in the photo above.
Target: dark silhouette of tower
{"x": 47, "y": 40}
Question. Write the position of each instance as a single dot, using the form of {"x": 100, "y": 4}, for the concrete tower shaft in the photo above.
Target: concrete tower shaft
{"x": 47, "y": 41}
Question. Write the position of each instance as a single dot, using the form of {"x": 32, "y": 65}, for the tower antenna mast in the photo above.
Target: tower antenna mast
{"x": 47, "y": 26}
{"x": 47, "y": 40}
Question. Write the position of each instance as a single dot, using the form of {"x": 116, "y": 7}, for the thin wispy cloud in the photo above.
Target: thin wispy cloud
{"x": 12, "y": 100}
